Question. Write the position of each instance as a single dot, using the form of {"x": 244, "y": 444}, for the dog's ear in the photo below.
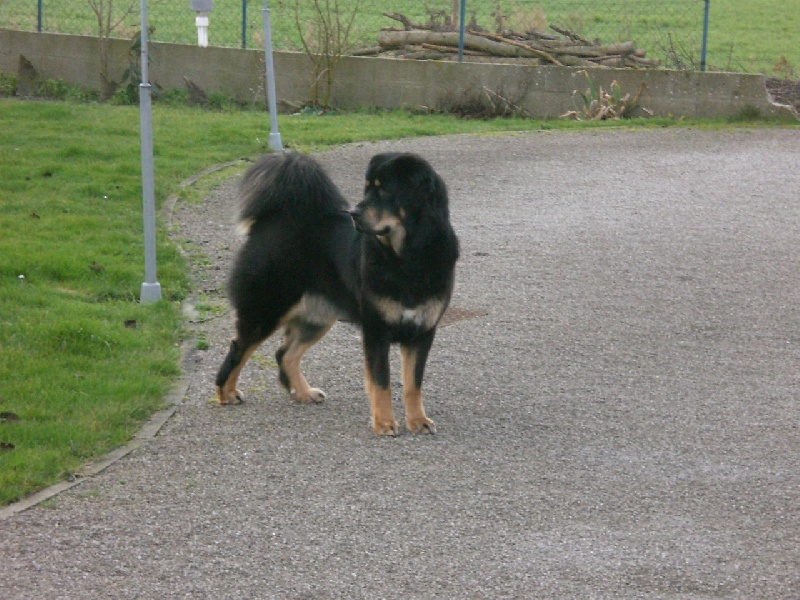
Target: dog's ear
{"x": 426, "y": 183}
{"x": 437, "y": 193}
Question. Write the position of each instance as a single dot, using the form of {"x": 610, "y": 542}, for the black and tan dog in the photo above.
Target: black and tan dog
{"x": 387, "y": 265}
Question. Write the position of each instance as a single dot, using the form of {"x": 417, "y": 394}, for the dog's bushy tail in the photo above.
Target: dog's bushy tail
{"x": 288, "y": 184}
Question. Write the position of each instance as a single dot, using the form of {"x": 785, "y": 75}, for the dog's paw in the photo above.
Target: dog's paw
{"x": 421, "y": 425}
{"x": 230, "y": 397}
{"x": 313, "y": 395}
{"x": 385, "y": 427}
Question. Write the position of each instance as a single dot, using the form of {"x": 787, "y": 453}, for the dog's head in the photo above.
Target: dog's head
{"x": 401, "y": 192}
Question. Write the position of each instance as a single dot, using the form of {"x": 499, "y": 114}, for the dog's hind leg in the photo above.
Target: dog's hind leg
{"x": 304, "y": 325}
{"x": 228, "y": 374}
{"x": 300, "y": 335}
{"x": 249, "y": 336}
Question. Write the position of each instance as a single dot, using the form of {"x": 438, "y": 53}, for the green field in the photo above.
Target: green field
{"x": 743, "y": 36}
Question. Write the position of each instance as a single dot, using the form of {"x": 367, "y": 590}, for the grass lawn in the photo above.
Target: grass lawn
{"x": 743, "y": 35}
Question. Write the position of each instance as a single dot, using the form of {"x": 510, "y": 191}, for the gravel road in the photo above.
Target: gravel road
{"x": 616, "y": 397}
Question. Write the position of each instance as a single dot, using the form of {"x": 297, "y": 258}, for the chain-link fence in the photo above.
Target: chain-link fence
{"x": 669, "y": 31}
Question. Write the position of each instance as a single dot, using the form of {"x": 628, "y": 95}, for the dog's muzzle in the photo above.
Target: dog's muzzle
{"x": 357, "y": 215}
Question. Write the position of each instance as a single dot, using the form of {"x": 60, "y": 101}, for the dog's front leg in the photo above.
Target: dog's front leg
{"x": 376, "y": 367}
{"x": 413, "y": 357}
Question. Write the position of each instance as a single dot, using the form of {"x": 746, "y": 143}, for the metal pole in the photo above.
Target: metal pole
{"x": 39, "y": 16}
{"x": 461, "y": 24}
{"x": 151, "y": 289}
{"x": 244, "y": 23}
{"x": 705, "y": 37}
{"x": 274, "y": 135}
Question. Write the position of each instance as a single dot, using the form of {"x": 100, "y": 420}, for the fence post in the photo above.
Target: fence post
{"x": 461, "y": 24}
{"x": 39, "y": 16}
{"x": 705, "y": 37}
{"x": 244, "y": 23}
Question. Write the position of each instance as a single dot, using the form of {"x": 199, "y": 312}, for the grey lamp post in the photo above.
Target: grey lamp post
{"x": 151, "y": 289}
{"x": 275, "y": 142}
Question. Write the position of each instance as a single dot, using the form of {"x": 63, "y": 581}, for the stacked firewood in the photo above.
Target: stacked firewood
{"x": 422, "y": 41}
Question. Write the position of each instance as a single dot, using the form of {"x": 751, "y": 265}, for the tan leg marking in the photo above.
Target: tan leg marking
{"x": 380, "y": 405}
{"x": 299, "y": 390}
{"x": 416, "y": 420}
{"x": 228, "y": 394}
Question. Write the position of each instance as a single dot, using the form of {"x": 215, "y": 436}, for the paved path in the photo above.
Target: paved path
{"x": 617, "y": 405}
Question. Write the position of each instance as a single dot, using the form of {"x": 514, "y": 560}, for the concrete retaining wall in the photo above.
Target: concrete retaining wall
{"x": 386, "y": 83}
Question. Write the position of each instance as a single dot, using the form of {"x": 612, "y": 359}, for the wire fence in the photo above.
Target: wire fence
{"x": 669, "y": 31}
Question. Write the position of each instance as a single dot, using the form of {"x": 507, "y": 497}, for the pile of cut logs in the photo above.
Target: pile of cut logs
{"x": 420, "y": 41}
